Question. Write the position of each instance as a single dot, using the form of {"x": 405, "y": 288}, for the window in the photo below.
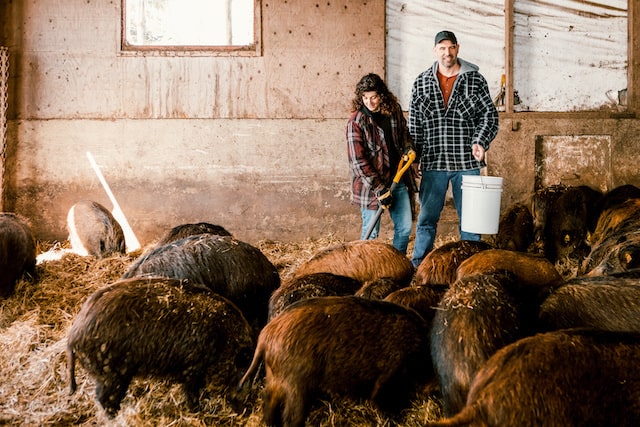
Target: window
{"x": 570, "y": 55}
{"x": 557, "y": 56}
{"x": 215, "y": 26}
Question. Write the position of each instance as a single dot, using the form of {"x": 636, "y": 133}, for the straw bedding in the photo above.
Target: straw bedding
{"x": 34, "y": 386}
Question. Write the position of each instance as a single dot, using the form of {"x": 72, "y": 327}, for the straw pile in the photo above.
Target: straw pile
{"x": 34, "y": 386}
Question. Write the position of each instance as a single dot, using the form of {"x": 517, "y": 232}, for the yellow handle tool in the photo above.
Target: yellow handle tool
{"x": 404, "y": 164}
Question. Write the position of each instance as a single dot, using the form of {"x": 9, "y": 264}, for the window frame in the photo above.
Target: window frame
{"x": 253, "y": 49}
{"x": 633, "y": 67}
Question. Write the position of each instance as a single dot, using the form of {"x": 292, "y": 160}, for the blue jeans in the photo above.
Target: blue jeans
{"x": 400, "y": 211}
{"x": 433, "y": 190}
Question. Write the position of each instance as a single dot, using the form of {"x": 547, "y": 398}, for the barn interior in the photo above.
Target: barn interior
{"x": 253, "y": 137}
{"x": 100, "y": 101}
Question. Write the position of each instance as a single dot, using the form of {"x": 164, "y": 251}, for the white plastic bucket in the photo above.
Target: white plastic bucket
{"x": 481, "y": 204}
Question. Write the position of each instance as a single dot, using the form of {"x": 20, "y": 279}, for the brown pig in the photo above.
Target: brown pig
{"x": 364, "y": 260}
{"x": 344, "y": 347}
{"x": 571, "y": 377}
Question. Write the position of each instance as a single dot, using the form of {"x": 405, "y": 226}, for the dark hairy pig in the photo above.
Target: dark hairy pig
{"x": 422, "y": 298}
{"x": 575, "y": 214}
{"x": 157, "y": 327}
{"x": 185, "y": 230}
{"x": 541, "y": 208}
{"x": 94, "y": 231}
{"x": 620, "y": 195}
{"x": 618, "y": 219}
{"x": 515, "y": 229}
{"x": 17, "y": 252}
{"x": 309, "y": 286}
{"x": 227, "y": 266}
{"x": 476, "y": 316}
{"x": 605, "y": 302}
{"x": 571, "y": 377}
{"x": 615, "y": 243}
{"x": 378, "y": 288}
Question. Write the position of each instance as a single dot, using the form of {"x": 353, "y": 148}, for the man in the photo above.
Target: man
{"x": 452, "y": 121}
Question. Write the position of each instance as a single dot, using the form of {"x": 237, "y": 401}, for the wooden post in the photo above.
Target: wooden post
{"x": 4, "y": 92}
{"x": 509, "y": 29}
{"x": 633, "y": 43}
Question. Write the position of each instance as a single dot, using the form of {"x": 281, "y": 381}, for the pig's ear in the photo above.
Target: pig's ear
{"x": 629, "y": 257}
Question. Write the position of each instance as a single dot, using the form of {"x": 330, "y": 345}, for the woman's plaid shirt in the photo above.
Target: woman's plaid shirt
{"x": 443, "y": 137}
{"x": 368, "y": 153}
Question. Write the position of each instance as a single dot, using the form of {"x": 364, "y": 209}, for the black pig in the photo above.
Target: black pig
{"x": 185, "y": 230}
{"x": 157, "y": 327}
{"x": 17, "y": 252}
{"x": 94, "y": 231}
{"x": 575, "y": 214}
{"x": 227, "y": 266}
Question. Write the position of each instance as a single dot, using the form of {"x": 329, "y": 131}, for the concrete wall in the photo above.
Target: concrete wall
{"x": 533, "y": 150}
{"x": 255, "y": 144}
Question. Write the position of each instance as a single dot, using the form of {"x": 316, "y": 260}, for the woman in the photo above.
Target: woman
{"x": 377, "y": 139}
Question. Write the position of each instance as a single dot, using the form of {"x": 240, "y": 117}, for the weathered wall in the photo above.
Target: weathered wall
{"x": 254, "y": 143}
{"x": 598, "y": 151}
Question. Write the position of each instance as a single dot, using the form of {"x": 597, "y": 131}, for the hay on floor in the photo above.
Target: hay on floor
{"x": 33, "y": 371}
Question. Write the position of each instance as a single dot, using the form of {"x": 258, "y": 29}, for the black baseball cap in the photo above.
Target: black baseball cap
{"x": 446, "y": 35}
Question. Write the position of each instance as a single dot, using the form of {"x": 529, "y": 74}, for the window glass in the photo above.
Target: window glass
{"x": 569, "y": 55}
{"x": 202, "y": 24}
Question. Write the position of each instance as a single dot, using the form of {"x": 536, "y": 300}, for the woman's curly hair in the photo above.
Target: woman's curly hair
{"x": 373, "y": 82}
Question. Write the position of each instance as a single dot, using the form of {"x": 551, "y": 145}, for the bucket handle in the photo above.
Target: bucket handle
{"x": 483, "y": 185}
{"x": 484, "y": 172}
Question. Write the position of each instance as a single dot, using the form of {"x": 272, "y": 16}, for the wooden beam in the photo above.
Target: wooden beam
{"x": 633, "y": 67}
{"x": 509, "y": 28}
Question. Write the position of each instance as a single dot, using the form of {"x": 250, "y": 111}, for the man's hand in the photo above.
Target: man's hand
{"x": 385, "y": 199}
{"x": 478, "y": 152}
